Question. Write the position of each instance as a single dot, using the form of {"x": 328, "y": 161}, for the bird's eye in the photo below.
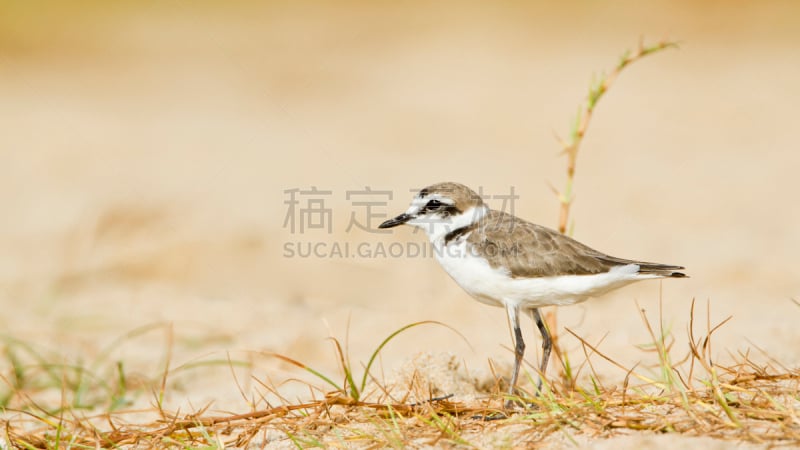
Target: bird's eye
{"x": 433, "y": 205}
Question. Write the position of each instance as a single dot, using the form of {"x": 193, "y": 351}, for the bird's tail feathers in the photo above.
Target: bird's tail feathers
{"x": 662, "y": 270}
{"x": 648, "y": 268}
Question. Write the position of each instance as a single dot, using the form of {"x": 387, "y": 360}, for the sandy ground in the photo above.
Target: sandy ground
{"x": 147, "y": 153}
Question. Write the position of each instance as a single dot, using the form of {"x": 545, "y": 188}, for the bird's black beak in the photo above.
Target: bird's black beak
{"x": 399, "y": 220}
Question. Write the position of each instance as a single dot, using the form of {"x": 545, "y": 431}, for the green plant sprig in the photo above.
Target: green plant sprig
{"x": 597, "y": 89}
{"x": 580, "y": 124}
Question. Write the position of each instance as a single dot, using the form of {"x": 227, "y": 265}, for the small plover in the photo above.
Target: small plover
{"x": 502, "y": 260}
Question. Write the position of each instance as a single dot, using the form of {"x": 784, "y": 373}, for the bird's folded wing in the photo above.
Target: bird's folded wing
{"x": 528, "y": 250}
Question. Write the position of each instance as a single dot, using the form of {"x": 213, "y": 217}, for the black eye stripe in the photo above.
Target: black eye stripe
{"x": 433, "y": 205}
{"x": 451, "y": 210}
{"x": 439, "y": 207}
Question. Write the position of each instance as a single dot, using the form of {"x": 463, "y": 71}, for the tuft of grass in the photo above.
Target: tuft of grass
{"x": 349, "y": 387}
{"x": 99, "y": 384}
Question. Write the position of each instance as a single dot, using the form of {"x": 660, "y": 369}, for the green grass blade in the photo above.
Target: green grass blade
{"x": 392, "y": 336}
{"x": 306, "y": 368}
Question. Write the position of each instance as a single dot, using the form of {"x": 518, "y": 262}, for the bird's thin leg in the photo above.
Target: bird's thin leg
{"x": 547, "y": 346}
{"x": 519, "y": 348}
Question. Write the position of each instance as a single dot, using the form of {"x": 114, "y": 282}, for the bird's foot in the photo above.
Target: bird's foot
{"x": 511, "y": 406}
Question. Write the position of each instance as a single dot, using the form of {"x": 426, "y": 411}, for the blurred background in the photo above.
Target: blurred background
{"x": 157, "y": 159}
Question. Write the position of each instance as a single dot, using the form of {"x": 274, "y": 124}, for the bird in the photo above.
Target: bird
{"x": 502, "y": 260}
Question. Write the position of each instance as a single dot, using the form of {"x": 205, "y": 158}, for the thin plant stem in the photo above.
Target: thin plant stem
{"x": 597, "y": 89}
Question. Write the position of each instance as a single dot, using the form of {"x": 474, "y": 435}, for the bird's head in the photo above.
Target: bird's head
{"x": 441, "y": 207}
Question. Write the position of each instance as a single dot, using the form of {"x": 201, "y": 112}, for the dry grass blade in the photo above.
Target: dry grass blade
{"x": 596, "y": 351}
{"x": 296, "y": 363}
